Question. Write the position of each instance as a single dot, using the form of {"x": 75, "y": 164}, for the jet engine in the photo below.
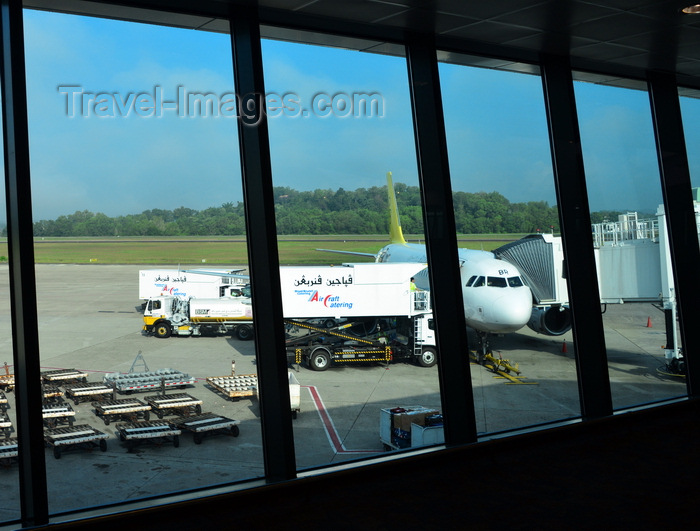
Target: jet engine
{"x": 550, "y": 320}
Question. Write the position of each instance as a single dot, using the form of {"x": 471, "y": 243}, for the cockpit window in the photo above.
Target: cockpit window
{"x": 496, "y": 282}
{"x": 471, "y": 281}
{"x": 479, "y": 282}
{"x": 514, "y": 282}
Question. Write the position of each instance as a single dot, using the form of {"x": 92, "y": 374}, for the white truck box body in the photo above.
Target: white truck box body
{"x": 350, "y": 290}
{"x": 162, "y": 282}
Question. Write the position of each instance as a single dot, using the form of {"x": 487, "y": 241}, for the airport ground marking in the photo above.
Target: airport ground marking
{"x": 330, "y": 429}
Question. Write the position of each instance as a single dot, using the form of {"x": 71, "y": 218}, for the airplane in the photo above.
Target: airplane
{"x": 495, "y": 298}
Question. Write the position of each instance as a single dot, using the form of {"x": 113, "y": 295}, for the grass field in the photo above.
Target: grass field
{"x": 221, "y": 250}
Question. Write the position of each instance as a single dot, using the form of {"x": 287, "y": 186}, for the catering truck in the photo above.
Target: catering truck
{"x": 356, "y": 313}
{"x": 168, "y": 315}
{"x": 333, "y": 314}
{"x": 202, "y": 284}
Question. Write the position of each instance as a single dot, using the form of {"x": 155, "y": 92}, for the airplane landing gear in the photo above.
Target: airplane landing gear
{"x": 483, "y": 347}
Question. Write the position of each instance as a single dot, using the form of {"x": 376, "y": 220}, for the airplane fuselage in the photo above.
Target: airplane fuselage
{"x": 494, "y": 297}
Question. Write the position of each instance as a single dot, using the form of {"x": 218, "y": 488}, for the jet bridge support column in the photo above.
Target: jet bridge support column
{"x": 575, "y": 220}
{"x": 680, "y": 215}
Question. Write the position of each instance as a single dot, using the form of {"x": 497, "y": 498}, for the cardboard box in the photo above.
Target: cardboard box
{"x": 412, "y": 417}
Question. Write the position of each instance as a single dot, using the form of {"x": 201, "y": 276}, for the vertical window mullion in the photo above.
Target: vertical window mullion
{"x": 680, "y": 214}
{"x": 575, "y": 221}
{"x": 25, "y": 334}
{"x": 275, "y": 407}
{"x": 441, "y": 243}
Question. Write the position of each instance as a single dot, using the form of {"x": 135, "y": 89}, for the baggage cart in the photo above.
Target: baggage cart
{"x": 4, "y": 404}
{"x": 87, "y": 391}
{"x": 8, "y": 450}
{"x": 148, "y": 380}
{"x": 148, "y": 431}
{"x": 207, "y": 424}
{"x": 235, "y": 386}
{"x": 64, "y": 376}
{"x": 127, "y": 409}
{"x": 6, "y": 425}
{"x": 55, "y": 414}
{"x": 7, "y": 380}
{"x": 180, "y": 404}
{"x": 83, "y": 436}
{"x": 51, "y": 393}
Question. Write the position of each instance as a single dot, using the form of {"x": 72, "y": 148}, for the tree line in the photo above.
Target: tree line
{"x": 363, "y": 211}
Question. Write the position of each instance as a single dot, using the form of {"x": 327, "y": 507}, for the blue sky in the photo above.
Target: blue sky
{"x": 497, "y": 135}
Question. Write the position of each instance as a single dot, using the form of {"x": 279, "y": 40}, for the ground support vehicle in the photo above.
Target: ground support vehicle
{"x": 83, "y": 436}
{"x": 148, "y": 431}
{"x": 4, "y": 404}
{"x": 180, "y": 404}
{"x": 127, "y": 409}
{"x": 55, "y": 414}
{"x": 6, "y": 425}
{"x": 63, "y": 376}
{"x": 207, "y": 424}
{"x": 148, "y": 380}
{"x": 166, "y": 316}
{"x": 88, "y": 391}
{"x": 410, "y": 427}
{"x": 9, "y": 449}
{"x": 382, "y": 317}
{"x": 397, "y": 338}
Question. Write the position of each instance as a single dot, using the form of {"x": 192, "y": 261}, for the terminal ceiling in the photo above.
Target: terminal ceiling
{"x": 615, "y": 38}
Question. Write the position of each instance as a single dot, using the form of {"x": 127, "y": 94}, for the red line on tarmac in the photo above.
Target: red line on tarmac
{"x": 331, "y": 432}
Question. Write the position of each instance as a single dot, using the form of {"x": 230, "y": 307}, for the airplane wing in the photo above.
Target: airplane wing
{"x": 354, "y": 253}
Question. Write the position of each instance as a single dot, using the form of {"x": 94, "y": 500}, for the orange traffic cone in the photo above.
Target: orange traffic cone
{"x": 648, "y": 322}
{"x": 563, "y": 348}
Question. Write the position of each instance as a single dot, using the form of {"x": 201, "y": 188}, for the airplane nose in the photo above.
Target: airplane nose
{"x": 513, "y": 311}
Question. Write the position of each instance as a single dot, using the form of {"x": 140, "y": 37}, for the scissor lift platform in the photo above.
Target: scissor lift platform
{"x": 180, "y": 404}
{"x": 87, "y": 391}
{"x": 145, "y": 431}
{"x": 235, "y": 386}
{"x": 128, "y": 409}
{"x": 84, "y": 436}
{"x": 64, "y": 376}
{"x": 207, "y": 424}
{"x": 55, "y": 414}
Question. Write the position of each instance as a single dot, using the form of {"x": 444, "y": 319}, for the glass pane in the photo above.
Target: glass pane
{"x": 345, "y": 123}
{"x": 507, "y": 222}
{"x": 135, "y": 168}
{"x": 625, "y": 199}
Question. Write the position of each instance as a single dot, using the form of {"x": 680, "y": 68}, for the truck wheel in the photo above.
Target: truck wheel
{"x": 428, "y": 358}
{"x": 163, "y": 329}
{"x": 320, "y": 359}
{"x": 244, "y": 332}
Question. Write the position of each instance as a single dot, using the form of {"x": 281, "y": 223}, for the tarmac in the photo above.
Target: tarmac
{"x": 90, "y": 320}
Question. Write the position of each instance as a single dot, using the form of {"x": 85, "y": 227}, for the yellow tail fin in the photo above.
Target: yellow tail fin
{"x": 395, "y": 232}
